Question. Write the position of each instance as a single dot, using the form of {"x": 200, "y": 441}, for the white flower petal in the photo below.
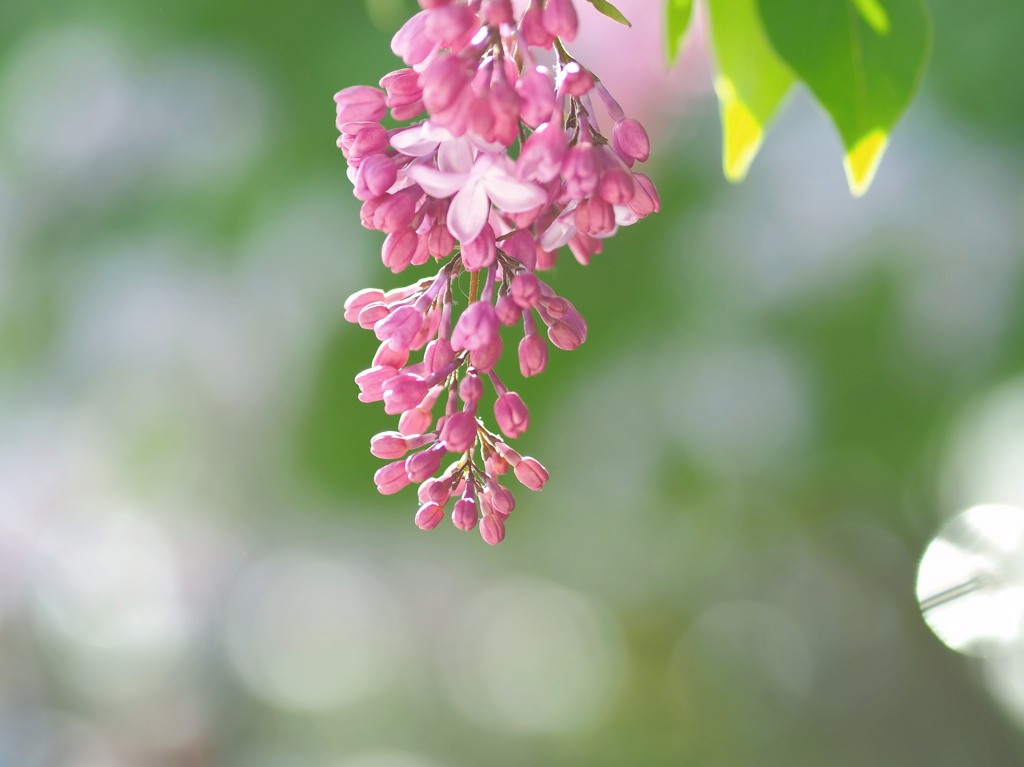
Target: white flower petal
{"x": 624, "y": 215}
{"x": 436, "y": 183}
{"x": 510, "y": 194}
{"x": 557, "y": 235}
{"x": 414, "y": 142}
{"x": 468, "y": 212}
{"x": 455, "y": 156}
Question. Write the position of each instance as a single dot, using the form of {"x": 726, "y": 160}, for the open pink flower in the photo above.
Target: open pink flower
{"x": 490, "y": 179}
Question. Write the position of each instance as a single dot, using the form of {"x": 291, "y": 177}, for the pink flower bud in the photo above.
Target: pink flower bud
{"x": 452, "y": 26}
{"x": 360, "y": 139}
{"x": 440, "y": 241}
{"x": 497, "y": 12}
{"x": 371, "y": 314}
{"x": 459, "y": 432}
{"x": 507, "y": 311}
{"x": 477, "y": 327}
{"x": 630, "y": 140}
{"x": 391, "y": 478}
{"x": 438, "y": 354}
{"x": 581, "y": 171}
{"x": 480, "y": 119}
{"x": 371, "y": 382}
{"x": 584, "y": 247}
{"x": 415, "y": 421}
{"x": 565, "y": 336}
{"x": 443, "y": 82}
{"x": 464, "y": 515}
{"x": 398, "y": 249}
{"x": 399, "y": 327}
{"x": 369, "y": 210}
{"x": 429, "y": 516}
{"x": 537, "y": 97}
{"x": 471, "y": 389}
{"x": 376, "y": 174}
{"x": 407, "y": 111}
{"x": 486, "y": 356}
{"x": 575, "y": 80}
{"x": 526, "y": 290}
{"x": 411, "y": 43}
{"x": 395, "y": 358}
{"x": 646, "y": 199}
{"x": 543, "y": 154}
{"x": 595, "y": 216}
{"x": 429, "y": 328}
{"x": 355, "y": 302}
{"x": 532, "y": 28}
{"x": 479, "y": 253}
{"x": 492, "y": 529}
{"x": 360, "y": 103}
{"x": 388, "y": 445}
{"x": 424, "y": 465}
{"x": 533, "y": 355}
{"x": 617, "y": 187}
{"x": 530, "y": 472}
{"x": 502, "y": 501}
{"x": 512, "y": 415}
{"x": 395, "y": 212}
{"x": 504, "y": 105}
{"x": 504, "y": 100}
{"x": 560, "y": 19}
{"x": 435, "y": 491}
{"x": 402, "y": 87}
{"x": 522, "y": 247}
{"x": 403, "y": 392}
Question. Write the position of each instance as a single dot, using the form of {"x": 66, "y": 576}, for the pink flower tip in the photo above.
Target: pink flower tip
{"x": 492, "y": 529}
{"x": 429, "y": 516}
{"x": 464, "y": 516}
{"x": 630, "y": 140}
{"x": 391, "y": 478}
{"x": 512, "y": 414}
{"x": 533, "y": 355}
{"x": 531, "y": 473}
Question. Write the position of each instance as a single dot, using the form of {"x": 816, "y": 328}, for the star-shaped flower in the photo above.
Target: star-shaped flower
{"x": 474, "y": 184}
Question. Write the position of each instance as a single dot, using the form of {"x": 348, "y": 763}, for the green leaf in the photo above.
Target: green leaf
{"x": 677, "y": 20}
{"x": 751, "y": 81}
{"x": 863, "y": 61}
{"x": 609, "y": 10}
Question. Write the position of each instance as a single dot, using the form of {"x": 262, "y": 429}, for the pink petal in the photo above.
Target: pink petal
{"x": 436, "y": 183}
{"x": 468, "y": 212}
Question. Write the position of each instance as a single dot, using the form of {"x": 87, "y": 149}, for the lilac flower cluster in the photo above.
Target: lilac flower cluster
{"x": 507, "y": 166}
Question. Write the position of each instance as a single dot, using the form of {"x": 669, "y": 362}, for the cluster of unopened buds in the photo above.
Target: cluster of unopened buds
{"x": 503, "y": 165}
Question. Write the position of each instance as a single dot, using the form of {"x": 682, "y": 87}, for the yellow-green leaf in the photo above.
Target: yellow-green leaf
{"x": 862, "y": 59}
{"x": 609, "y": 10}
{"x": 677, "y": 20}
{"x": 751, "y": 81}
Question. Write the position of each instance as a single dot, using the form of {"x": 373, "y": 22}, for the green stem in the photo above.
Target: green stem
{"x": 563, "y": 55}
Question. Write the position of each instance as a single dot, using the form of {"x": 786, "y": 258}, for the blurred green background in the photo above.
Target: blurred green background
{"x": 784, "y": 394}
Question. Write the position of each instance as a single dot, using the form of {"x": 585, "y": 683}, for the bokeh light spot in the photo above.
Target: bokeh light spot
{"x": 970, "y": 582}
{"x": 535, "y": 657}
{"x": 309, "y": 633}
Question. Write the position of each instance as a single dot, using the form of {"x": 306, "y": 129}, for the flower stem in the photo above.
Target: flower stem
{"x": 474, "y": 287}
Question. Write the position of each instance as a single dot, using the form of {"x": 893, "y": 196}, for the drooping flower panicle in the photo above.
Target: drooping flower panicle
{"x": 503, "y": 165}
